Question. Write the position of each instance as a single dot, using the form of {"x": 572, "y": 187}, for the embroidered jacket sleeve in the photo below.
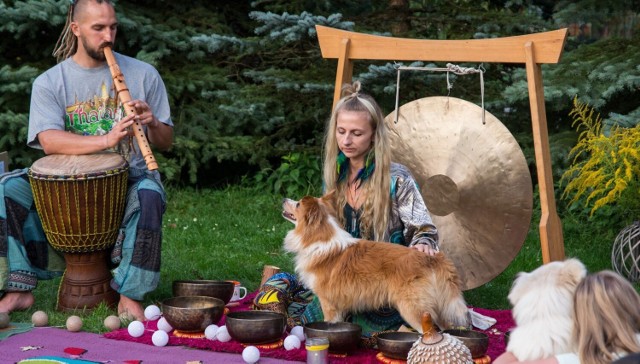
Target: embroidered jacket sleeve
{"x": 411, "y": 222}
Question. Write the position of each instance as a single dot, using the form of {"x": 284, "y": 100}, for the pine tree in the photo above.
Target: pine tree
{"x": 248, "y": 85}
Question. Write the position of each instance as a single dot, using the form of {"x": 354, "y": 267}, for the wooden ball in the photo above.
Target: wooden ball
{"x": 112, "y": 323}
{"x": 74, "y": 323}
{"x": 4, "y": 320}
{"x": 39, "y": 319}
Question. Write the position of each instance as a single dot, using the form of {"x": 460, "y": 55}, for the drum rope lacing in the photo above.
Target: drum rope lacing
{"x": 451, "y": 68}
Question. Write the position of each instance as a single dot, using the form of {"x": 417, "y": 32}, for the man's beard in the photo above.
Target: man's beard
{"x": 97, "y": 54}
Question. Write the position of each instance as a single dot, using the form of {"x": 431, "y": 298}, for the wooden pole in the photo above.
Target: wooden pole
{"x": 551, "y": 240}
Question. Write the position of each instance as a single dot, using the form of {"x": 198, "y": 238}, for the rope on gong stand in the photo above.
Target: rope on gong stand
{"x": 451, "y": 68}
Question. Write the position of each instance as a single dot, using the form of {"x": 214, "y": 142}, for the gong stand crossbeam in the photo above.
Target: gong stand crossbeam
{"x": 531, "y": 50}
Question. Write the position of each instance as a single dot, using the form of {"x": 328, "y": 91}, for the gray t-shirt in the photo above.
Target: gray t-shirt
{"x": 83, "y": 100}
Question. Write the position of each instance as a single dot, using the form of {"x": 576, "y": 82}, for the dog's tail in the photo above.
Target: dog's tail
{"x": 453, "y": 310}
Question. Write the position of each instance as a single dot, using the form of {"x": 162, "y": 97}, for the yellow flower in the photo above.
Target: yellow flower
{"x": 603, "y": 166}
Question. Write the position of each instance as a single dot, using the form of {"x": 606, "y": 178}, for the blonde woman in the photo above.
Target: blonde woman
{"x": 606, "y": 322}
{"x": 376, "y": 199}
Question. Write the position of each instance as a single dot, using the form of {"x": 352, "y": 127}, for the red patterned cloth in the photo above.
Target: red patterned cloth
{"x": 364, "y": 356}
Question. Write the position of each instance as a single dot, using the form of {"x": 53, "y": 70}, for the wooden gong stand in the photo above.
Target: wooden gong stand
{"x": 532, "y": 50}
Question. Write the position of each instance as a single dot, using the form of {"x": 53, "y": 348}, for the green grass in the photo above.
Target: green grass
{"x": 232, "y": 233}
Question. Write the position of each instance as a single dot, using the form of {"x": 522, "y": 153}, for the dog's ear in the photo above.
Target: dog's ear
{"x": 329, "y": 195}
{"x": 573, "y": 271}
{"x": 330, "y": 201}
{"x": 311, "y": 210}
{"x": 517, "y": 287}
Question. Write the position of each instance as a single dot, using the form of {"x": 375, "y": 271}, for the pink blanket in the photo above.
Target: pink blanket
{"x": 495, "y": 333}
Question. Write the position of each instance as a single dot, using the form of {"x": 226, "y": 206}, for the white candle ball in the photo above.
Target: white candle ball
{"x": 164, "y": 325}
{"x": 40, "y": 318}
{"x": 223, "y": 336}
{"x": 112, "y": 322}
{"x": 74, "y": 323}
{"x": 298, "y": 331}
{"x": 136, "y": 328}
{"x": 211, "y": 331}
{"x": 160, "y": 338}
{"x": 250, "y": 354}
{"x": 152, "y": 312}
{"x": 292, "y": 342}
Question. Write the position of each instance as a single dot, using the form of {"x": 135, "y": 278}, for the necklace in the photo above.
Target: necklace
{"x": 353, "y": 191}
{"x": 353, "y": 194}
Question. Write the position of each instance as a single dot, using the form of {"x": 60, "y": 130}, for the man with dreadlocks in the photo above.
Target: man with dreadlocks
{"x": 74, "y": 111}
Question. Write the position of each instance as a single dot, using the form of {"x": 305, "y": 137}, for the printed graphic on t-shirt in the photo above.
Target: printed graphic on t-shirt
{"x": 95, "y": 116}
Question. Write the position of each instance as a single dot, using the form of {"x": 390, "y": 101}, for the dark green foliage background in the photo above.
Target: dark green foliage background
{"x": 248, "y": 85}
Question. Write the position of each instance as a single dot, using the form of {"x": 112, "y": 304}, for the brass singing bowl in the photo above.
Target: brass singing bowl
{"x": 192, "y": 313}
{"x": 396, "y": 345}
{"x": 476, "y": 341}
{"x": 344, "y": 337}
{"x": 222, "y": 290}
{"x": 255, "y": 327}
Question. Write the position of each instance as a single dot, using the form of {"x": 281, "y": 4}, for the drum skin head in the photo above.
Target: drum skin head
{"x": 73, "y": 165}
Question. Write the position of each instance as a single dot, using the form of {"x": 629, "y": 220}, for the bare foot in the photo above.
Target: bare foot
{"x": 130, "y": 309}
{"x": 16, "y": 301}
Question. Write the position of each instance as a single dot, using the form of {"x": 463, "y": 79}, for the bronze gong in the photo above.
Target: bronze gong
{"x": 474, "y": 179}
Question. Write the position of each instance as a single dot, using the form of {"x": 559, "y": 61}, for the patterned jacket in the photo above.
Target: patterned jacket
{"x": 410, "y": 221}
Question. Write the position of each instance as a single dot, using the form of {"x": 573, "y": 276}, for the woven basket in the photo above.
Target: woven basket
{"x": 625, "y": 254}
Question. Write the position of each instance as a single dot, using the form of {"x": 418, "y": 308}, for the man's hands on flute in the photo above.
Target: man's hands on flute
{"x": 159, "y": 134}
{"x": 62, "y": 142}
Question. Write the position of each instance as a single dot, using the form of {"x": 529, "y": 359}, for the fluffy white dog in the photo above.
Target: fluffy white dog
{"x": 542, "y": 303}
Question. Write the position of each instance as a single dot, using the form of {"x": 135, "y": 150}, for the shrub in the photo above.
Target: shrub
{"x": 298, "y": 175}
{"x": 605, "y": 166}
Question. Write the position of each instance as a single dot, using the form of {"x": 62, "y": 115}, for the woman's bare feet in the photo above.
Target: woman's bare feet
{"x": 130, "y": 309}
{"x": 17, "y": 301}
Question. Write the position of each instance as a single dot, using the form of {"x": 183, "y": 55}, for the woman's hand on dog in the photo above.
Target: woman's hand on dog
{"x": 425, "y": 249}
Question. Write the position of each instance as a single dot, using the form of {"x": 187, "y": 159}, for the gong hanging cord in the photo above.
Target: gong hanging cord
{"x": 451, "y": 68}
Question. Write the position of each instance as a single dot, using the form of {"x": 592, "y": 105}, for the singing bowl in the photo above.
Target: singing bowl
{"x": 396, "y": 345}
{"x": 222, "y": 290}
{"x": 476, "y": 341}
{"x": 192, "y": 313}
{"x": 255, "y": 327}
{"x": 343, "y": 336}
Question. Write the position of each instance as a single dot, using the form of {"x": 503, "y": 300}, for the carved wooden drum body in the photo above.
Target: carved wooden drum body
{"x": 80, "y": 200}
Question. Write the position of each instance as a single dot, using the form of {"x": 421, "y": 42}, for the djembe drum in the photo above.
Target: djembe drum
{"x": 80, "y": 200}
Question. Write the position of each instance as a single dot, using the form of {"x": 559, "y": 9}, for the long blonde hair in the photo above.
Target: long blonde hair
{"x": 376, "y": 189}
{"x": 607, "y": 317}
{"x": 67, "y": 44}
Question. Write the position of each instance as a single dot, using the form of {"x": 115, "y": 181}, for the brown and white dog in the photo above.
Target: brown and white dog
{"x": 352, "y": 275}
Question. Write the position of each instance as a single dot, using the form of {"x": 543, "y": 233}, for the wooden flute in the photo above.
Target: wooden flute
{"x": 124, "y": 96}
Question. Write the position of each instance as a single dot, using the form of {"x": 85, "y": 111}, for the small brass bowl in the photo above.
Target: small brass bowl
{"x": 343, "y": 337}
{"x": 396, "y": 345}
{"x": 192, "y": 313}
{"x": 255, "y": 327}
{"x": 476, "y": 341}
{"x": 200, "y": 287}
